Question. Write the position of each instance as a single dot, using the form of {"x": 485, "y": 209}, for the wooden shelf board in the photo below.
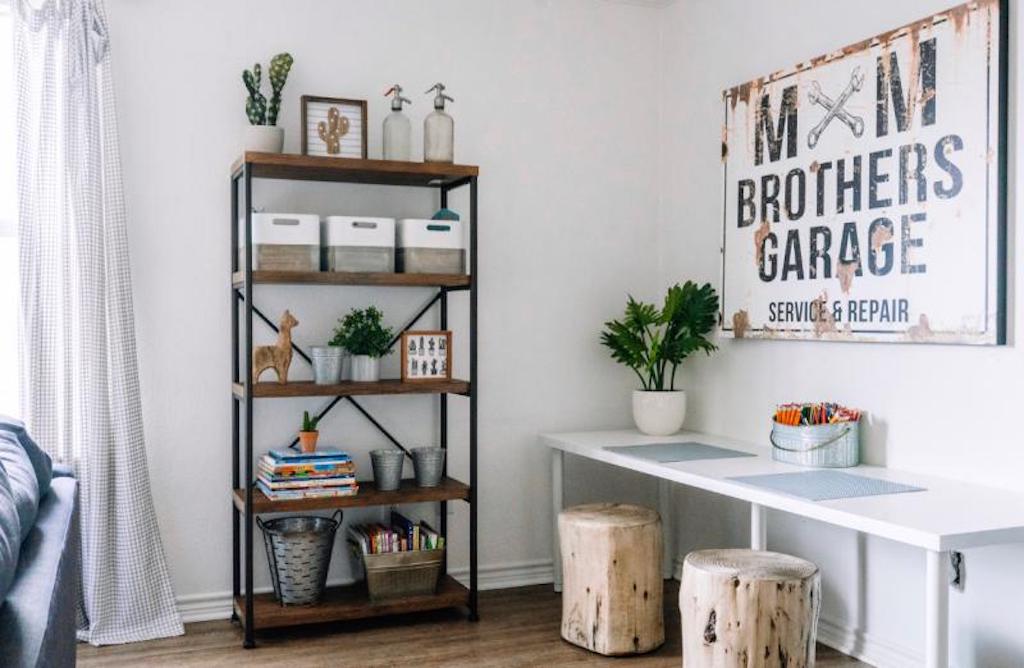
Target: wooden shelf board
{"x": 307, "y": 388}
{"x": 449, "y": 490}
{"x": 351, "y": 170}
{"x": 348, "y": 603}
{"x": 351, "y": 278}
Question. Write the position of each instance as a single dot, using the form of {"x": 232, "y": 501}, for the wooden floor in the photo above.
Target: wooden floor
{"x": 518, "y": 627}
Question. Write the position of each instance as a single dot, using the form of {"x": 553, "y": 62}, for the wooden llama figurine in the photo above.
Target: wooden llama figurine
{"x": 278, "y": 356}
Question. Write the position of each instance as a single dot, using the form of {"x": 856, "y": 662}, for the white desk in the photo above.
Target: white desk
{"x": 950, "y": 515}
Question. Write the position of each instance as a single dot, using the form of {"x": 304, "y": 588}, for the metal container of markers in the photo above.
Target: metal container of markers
{"x": 835, "y": 445}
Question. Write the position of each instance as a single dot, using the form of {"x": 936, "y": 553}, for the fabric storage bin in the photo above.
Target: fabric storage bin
{"x": 820, "y": 445}
{"x": 430, "y": 247}
{"x": 352, "y": 243}
{"x": 285, "y": 242}
{"x": 398, "y": 574}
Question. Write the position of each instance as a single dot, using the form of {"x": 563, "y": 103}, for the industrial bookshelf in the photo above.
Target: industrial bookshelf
{"x": 260, "y": 611}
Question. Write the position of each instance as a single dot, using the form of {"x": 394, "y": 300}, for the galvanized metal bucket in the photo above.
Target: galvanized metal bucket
{"x": 299, "y": 553}
{"x": 820, "y": 445}
{"x": 428, "y": 464}
{"x": 327, "y": 362}
{"x": 387, "y": 468}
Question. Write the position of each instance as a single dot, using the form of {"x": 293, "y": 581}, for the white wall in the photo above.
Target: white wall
{"x": 588, "y": 184}
{"x": 912, "y": 393}
{"x": 550, "y": 104}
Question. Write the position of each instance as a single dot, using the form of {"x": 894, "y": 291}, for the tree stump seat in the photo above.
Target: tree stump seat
{"x": 748, "y": 608}
{"x": 612, "y": 589}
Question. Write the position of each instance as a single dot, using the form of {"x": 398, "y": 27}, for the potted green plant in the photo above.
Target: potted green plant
{"x": 308, "y": 434}
{"x": 363, "y": 334}
{"x": 653, "y": 343}
{"x": 262, "y": 133}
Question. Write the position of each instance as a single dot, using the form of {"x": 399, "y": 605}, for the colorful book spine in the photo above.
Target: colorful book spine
{"x": 307, "y": 484}
{"x": 292, "y": 456}
{"x": 314, "y": 493}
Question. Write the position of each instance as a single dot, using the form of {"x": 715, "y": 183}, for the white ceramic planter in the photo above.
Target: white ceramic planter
{"x": 365, "y": 369}
{"x": 659, "y": 413}
{"x": 264, "y": 138}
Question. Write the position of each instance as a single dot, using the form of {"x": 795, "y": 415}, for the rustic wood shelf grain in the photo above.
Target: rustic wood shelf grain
{"x": 348, "y": 603}
{"x": 450, "y": 489}
{"x": 387, "y": 279}
{"x": 307, "y": 388}
{"x": 352, "y": 170}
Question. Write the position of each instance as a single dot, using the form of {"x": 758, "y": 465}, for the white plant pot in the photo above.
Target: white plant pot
{"x": 659, "y": 413}
{"x": 365, "y": 369}
{"x": 264, "y": 138}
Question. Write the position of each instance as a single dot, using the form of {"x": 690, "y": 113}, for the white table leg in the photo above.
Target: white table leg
{"x": 758, "y": 527}
{"x": 936, "y": 633}
{"x": 556, "y": 508}
{"x": 668, "y": 548}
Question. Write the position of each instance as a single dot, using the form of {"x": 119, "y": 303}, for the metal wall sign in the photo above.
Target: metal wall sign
{"x": 865, "y": 190}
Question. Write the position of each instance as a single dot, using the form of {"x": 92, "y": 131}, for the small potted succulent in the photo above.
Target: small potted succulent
{"x": 262, "y": 134}
{"x": 653, "y": 343}
{"x": 363, "y": 334}
{"x": 309, "y": 434}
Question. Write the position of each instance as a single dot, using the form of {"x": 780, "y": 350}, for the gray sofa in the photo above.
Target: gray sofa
{"x": 38, "y": 612}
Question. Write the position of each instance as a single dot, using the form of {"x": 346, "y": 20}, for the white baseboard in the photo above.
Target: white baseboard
{"x": 867, "y": 648}
{"x": 850, "y": 641}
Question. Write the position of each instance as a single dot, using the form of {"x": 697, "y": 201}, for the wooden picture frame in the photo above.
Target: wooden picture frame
{"x": 425, "y": 349}
{"x": 344, "y": 121}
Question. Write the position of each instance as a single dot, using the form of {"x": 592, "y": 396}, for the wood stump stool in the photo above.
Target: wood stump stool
{"x": 748, "y": 608}
{"x": 611, "y": 578}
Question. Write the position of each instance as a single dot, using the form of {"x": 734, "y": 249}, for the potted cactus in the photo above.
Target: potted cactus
{"x": 262, "y": 134}
{"x": 309, "y": 434}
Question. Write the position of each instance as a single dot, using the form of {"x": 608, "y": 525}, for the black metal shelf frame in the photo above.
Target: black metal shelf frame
{"x": 242, "y": 311}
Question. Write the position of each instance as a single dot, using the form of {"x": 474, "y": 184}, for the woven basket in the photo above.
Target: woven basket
{"x": 399, "y": 574}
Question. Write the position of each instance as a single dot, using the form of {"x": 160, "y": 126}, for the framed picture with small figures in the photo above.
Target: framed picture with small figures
{"x": 426, "y": 356}
{"x": 333, "y": 127}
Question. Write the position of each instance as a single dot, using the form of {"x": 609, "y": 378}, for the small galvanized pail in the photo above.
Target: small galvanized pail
{"x": 387, "y": 468}
{"x": 819, "y": 445}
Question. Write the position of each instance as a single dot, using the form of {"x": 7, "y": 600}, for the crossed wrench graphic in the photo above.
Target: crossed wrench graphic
{"x": 836, "y": 108}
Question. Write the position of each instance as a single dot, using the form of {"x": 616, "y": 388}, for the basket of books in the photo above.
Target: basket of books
{"x": 403, "y": 559}
{"x": 821, "y": 435}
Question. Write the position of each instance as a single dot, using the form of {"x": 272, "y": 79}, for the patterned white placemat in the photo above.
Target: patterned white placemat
{"x": 826, "y": 485}
{"x": 664, "y": 453}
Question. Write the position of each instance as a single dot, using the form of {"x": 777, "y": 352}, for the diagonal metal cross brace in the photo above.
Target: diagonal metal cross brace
{"x": 334, "y": 402}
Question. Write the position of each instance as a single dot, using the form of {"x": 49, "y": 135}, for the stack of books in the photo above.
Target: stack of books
{"x": 403, "y": 535}
{"x": 290, "y": 474}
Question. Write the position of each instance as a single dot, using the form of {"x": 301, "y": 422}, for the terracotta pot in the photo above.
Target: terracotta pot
{"x": 307, "y": 440}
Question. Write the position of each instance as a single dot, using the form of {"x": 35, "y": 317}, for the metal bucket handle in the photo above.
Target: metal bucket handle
{"x": 771, "y": 437}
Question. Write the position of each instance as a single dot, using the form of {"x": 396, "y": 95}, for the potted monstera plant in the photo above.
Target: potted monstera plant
{"x": 262, "y": 133}
{"x": 653, "y": 343}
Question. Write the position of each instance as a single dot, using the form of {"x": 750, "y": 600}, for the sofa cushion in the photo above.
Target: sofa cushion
{"x": 37, "y": 621}
{"x": 40, "y": 460}
{"x": 21, "y": 476}
{"x": 10, "y": 535}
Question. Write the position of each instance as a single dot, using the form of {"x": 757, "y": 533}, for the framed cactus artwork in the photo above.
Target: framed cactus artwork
{"x": 333, "y": 127}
